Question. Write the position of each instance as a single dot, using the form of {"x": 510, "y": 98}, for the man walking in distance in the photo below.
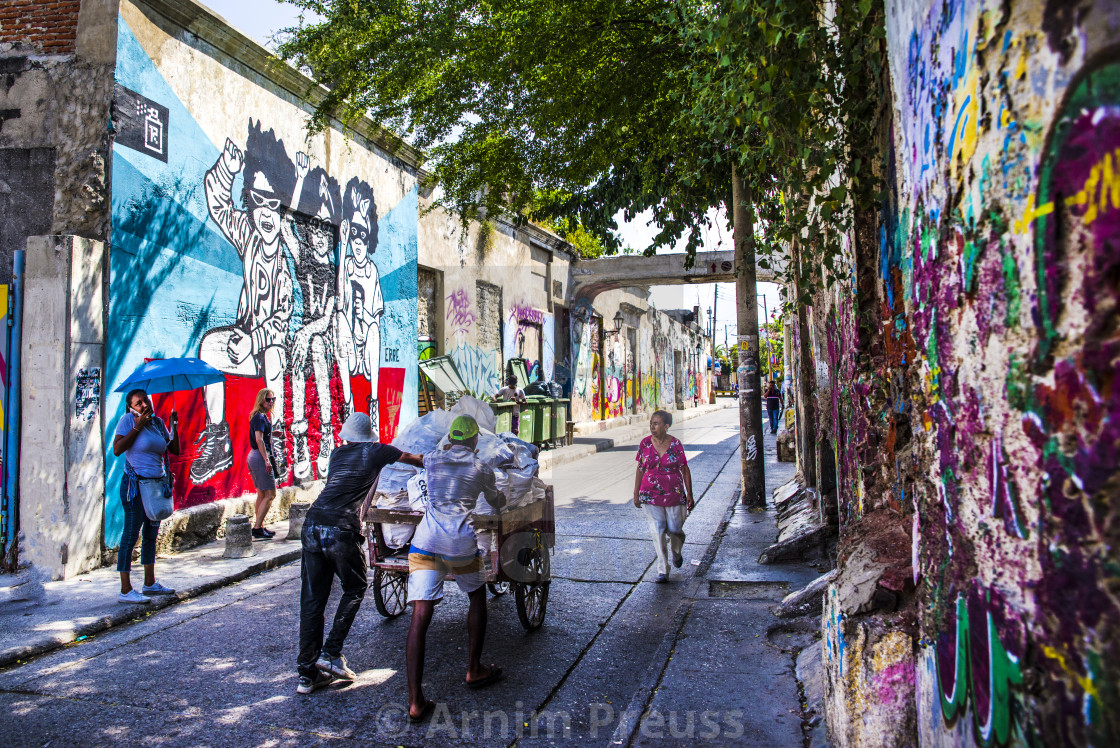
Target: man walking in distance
{"x": 773, "y": 406}
{"x": 332, "y": 547}
{"x": 444, "y": 544}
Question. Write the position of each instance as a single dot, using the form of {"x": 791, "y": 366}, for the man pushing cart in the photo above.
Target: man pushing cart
{"x": 444, "y": 546}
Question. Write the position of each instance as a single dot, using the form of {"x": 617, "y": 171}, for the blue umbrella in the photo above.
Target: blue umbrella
{"x": 171, "y": 375}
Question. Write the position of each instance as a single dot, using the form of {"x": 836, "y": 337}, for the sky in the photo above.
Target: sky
{"x": 261, "y": 19}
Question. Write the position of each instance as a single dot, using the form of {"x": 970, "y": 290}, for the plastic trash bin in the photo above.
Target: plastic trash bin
{"x": 503, "y": 414}
{"x": 542, "y": 418}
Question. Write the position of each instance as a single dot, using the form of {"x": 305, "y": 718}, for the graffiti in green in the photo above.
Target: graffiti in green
{"x": 976, "y": 663}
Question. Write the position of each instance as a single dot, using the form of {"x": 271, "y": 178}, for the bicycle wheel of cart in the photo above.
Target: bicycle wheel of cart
{"x": 390, "y": 592}
{"x": 532, "y": 597}
{"x": 498, "y": 588}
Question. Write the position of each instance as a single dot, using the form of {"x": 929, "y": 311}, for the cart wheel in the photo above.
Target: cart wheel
{"x": 390, "y": 590}
{"x": 532, "y": 597}
{"x": 498, "y": 588}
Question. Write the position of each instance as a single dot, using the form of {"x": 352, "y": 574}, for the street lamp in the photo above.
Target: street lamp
{"x": 618, "y": 320}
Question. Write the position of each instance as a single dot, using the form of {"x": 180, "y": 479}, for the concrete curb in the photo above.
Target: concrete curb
{"x": 632, "y": 716}
{"x": 48, "y": 642}
{"x": 639, "y": 702}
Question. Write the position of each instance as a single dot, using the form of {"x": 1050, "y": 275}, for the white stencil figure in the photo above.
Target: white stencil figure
{"x": 255, "y": 343}
{"x": 313, "y": 231}
{"x": 360, "y": 290}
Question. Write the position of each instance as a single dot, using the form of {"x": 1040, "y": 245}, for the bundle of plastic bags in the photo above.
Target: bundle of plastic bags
{"x": 419, "y": 438}
{"x": 475, "y": 408}
{"x": 404, "y": 487}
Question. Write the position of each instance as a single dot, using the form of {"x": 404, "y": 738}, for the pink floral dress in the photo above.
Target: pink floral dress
{"x": 663, "y": 479}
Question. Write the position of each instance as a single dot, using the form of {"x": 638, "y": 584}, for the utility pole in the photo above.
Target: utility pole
{"x": 750, "y": 402}
{"x": 766, "y": 335}
{"x": 806, "y": 429}
{"x": 715, "y": 311}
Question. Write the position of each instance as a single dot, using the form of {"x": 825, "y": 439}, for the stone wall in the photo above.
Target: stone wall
{"x": 967, "y": 389}
{"x": 56, "y": 64}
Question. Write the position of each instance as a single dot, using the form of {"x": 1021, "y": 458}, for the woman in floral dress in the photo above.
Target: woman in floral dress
{"x": 663, "y": 484}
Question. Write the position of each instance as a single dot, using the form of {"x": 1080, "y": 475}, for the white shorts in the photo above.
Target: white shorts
{"x": 426, "y": 574}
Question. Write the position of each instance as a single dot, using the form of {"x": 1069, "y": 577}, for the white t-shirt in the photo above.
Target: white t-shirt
{"x": 512, "y": 393}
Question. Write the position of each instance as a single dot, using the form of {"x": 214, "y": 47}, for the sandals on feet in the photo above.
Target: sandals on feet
{"x": 429, "y": 707}
{"x": 494, "y": 676}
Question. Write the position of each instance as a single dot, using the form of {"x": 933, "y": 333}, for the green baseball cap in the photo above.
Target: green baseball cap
{"x": 463, "y": 428}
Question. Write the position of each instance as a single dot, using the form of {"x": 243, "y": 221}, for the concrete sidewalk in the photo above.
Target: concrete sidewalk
{"x": 728, "y": 671}
{"x": 38, "y": 617}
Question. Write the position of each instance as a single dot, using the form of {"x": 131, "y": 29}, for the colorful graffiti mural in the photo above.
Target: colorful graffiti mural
{"x": 530, "y": 334}
{"x": 280, "y": 270}
{"x": 966, "y": 372}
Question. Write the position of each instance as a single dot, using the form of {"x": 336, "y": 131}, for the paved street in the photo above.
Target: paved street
{"x": 219, "y": 669}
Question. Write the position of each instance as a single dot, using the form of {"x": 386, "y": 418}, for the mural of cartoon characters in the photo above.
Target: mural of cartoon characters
{"x": 315, "y": 343}
{"x": 360, "y": 292}
{"x": 255, "y": 343}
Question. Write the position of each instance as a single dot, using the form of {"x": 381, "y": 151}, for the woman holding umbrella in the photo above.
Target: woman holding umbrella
{"x": 144, "y": 440}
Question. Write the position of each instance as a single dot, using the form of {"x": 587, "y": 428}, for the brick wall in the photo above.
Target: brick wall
{"x": 51, "y": 26}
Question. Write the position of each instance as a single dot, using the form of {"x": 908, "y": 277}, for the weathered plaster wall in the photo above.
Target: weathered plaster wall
{"x": 56, "y": 62}
{"x": 283, "y": 261}
{"x": 62, "y": 469}
{"x": 494, "y": 306}
{"x": 976, "y": 353}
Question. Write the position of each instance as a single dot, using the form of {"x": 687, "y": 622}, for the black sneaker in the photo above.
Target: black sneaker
{"x": 214, "y": 455}
{"x": 260, "y": 533}
{"x": 309, "y": 683}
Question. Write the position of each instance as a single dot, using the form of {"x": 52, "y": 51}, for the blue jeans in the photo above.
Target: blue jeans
{"x": 134, "y": 520}
{"x": 328, "y": 552}
{"x": 774, "y": 420}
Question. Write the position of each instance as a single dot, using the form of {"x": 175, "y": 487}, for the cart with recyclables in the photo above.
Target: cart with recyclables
{"x": 520, "y": 541}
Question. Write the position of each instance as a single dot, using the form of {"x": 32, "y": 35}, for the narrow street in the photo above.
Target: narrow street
{"x": 219, "y": 669}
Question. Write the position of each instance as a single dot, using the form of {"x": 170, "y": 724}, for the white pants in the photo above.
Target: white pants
{"x": 667, "y": 523}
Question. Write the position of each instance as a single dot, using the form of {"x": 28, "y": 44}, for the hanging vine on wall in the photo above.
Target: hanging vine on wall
{"x": 789, "y": 91}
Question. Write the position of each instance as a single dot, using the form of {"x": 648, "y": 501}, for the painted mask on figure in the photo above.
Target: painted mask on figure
{"x": 359, "y": 234}
{"x": 321, "y": 234}
{"x": 264, "y": 208}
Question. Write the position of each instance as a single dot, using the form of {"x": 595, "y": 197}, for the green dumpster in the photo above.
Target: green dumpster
{"x": 528, "y": 421}
{"x": 541, "y": 407}
{"x": 503, "y": 413}
{"x": 519, "y": 368}
{"x": 560, "y": 419}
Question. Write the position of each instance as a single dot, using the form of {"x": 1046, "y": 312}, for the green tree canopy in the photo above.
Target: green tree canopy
{"x": 605, "y": 105}
{"x": 512, "y": 99}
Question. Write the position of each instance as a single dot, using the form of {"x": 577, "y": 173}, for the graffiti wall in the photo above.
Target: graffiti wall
{"x": 981, "y": 413}
{"x": 284, "y": 262}
{"x": 530, "y": 333}
{"x": 632, "y": 371}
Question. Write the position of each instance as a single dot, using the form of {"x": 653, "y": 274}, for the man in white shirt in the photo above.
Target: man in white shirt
{"x": 444, "y": 544}
{"x": 512, "y": 392}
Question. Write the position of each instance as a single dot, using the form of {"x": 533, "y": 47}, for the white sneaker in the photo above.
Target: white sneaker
{"x": 157, "y": 589}
{"x": 132, "y": 596}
